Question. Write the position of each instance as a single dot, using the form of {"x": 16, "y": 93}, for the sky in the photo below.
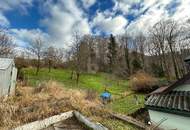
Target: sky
{"x": 54, "y": 21}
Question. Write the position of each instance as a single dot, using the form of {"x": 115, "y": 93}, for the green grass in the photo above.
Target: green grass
{"x": 118, "y": 125}
{"x": 127, "y": 105}
{"x": 97, "y": 82}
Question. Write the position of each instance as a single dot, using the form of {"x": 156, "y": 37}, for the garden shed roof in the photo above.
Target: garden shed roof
{"x": 177, "y": 101}
{"x": 5, "y": 63}
{"x": 187, "y": 59}
{"x": 171, "y": 101}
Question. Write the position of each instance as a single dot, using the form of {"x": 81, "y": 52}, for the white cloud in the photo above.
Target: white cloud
{"x": 65, "y": 18}
{"x": 88, "y": 3}
{"x": 182, "y": 12}
{"x": 157, "y": 11}
{"x": 3, "y": 21}
{"x": 144, "y": 22}
{"x": 125, "y": 5}
{"x": 22, "y": 37}
{"x": 6, "y": 5}
{"x": 10, "y": 4}
{"x": 115, "y": 25}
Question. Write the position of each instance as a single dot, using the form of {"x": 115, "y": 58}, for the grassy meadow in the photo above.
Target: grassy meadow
{"x": 122, "y": 96}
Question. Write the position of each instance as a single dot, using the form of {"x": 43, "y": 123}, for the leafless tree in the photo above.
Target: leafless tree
{"x": 141, "y": 43}
{"x": 172, "y": 33}
{"x": 76, "y": 51}
{"x": 6, "y": 44}
{"x": 50, "y": 56}
{"x": 158, "y": 32}
{"x": 36, "y": 48}
{"x": 125, "y": 43}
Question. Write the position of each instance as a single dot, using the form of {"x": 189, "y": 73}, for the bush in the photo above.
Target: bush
{"x": 143, "y": 82}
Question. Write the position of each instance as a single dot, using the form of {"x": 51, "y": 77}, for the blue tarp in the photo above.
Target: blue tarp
{"x": 106, "y": 95}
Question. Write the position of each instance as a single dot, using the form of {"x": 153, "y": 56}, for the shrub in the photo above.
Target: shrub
{"x": 142, "y": 82}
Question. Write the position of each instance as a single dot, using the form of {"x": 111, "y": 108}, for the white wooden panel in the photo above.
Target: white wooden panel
{"x": 38, "y": 125}
{"x": 13, "y": 81}
{"x": 172, "y": 122}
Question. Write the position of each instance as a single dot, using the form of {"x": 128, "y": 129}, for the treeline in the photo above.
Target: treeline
{"x": 160, "y": 52}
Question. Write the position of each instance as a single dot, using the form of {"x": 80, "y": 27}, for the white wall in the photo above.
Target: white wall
{"x": 173, "y": 121}
{"x": 5, "y": 81}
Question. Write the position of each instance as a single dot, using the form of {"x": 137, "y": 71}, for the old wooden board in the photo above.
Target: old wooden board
{"x": 130, "y": 120}
{"x": 64, "y": 121}
{"x": 68, "y": 124}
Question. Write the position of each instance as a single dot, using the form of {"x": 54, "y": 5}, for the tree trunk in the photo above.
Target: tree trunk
{"x": 127, "y": 60}
{"x": 49, "y": 66}
{"x": 38, "y": 66}
{"x": 166, "y": 69}
{"x": 174, "y": 62}
{"x": 78, "y": 76}
{"x": 71, "y": 75}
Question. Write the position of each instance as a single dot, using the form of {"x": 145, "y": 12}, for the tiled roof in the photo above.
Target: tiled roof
{"x": 174, "y": 100}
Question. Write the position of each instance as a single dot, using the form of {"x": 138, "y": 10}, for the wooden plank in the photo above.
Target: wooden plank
{"x": 130, "y": 120}
{"x": 38, "y": 125}
{"x": 88, "y": 123}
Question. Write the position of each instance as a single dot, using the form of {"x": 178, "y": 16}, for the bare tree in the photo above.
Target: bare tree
{"x": 140, "y": 40}
{"x": 172, "y": 33}
{"x": 125, "y": 43}
{"x": 36, "y": 48}
{"x": 76, "y": 51}
{"x": 6, "y": 44}
{"x": 102, "y": 45}
{"x": 158, "y": 32}
{"x": 50, "y": 55}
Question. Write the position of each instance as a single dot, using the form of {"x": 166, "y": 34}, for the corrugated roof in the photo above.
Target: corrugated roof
{"x": 174, "y": 100}
{"x": 187, "y": 59}
{"x": 5, "y": 63}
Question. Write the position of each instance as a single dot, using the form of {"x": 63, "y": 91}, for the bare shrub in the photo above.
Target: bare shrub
{"x": 91, "y": 94}
{"x": 142, "y": 82}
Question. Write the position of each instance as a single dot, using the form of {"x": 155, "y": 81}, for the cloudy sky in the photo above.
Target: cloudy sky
{"x": 56, "y": 20}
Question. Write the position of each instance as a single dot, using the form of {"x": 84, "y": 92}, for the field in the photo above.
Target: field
{"x": 122, "y": 96}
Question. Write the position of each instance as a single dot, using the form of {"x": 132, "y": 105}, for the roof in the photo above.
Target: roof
{"x": 5, "y": 63}
{"x": 171, "y": 101}
{"x": 174, "y": 102}
{"x": 184, "y": 80}
{"x": 187, "y": 58}
{"x": 159, "y": 90}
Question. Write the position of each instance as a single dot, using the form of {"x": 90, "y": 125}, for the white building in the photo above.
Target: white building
{"x": 8, "y": 74}
{"x": 169, "y": 107}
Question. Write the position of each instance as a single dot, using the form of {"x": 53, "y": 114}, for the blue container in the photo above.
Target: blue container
{"x": 105, "y": 96}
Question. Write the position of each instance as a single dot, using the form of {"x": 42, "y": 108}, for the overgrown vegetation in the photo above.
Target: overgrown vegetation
{"x": 143, "y": 82}
{"x": 122, "y": 96}
{"x": 50, "y": 98}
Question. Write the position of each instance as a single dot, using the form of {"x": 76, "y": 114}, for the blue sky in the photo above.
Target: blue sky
{"x": 56, "y": 20}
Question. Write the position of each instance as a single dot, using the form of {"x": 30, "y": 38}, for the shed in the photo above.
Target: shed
{"x": 169, "y": 107}
{"x": 8, "y": 75}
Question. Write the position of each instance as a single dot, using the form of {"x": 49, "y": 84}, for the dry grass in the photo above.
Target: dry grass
{"x": 47, "y": 99}
{"x": 142, "y": 82}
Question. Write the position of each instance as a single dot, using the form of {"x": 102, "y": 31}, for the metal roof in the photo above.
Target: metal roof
{"x": 5, "y": 63}
{"x": 174, "y": 100}
{"x": 187, "y": 59}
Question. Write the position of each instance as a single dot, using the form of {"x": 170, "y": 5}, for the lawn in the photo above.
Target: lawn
{"x": 118, "y": 87}
{"x": 97, "y": 82}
